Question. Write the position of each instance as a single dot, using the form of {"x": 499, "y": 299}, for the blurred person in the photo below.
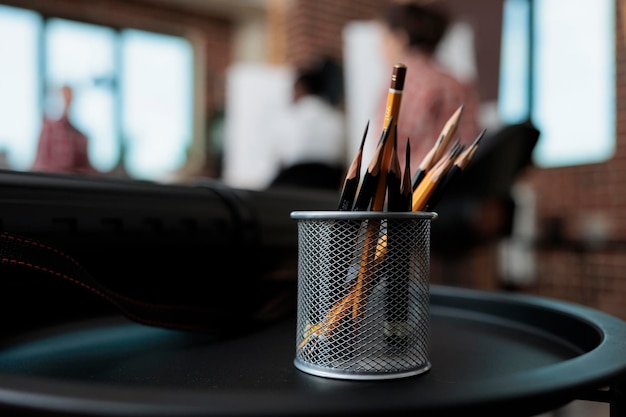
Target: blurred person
{"x": 476, "y": 210}
{"x": 309, "y": 139}
{"x": 4, "y": 160}
{"x": 411, "y": 34}
{"x": 62, "y": 147}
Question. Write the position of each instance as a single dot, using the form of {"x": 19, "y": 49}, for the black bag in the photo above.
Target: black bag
{"x": 199, "y": 257}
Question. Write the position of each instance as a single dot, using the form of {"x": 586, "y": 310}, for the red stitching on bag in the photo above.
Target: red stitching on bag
{"x": 120, "y": 296}
{"x": 178, "y": 326}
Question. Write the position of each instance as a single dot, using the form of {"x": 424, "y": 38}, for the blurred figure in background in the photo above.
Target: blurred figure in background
{"x": 309, "y": 139}
{"x": 411, "y": 34}
{"x": 62, "y": 147}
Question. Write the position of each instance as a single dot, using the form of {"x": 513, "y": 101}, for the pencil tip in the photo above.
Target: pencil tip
{"x": 408, "y": 152}
{"x": 395, "y": 136}
{"x": 479, "y": 137}
{"x": 367, "y": 126}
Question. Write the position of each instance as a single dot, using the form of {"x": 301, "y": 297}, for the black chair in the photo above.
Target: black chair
{"x": 485, "y": 185}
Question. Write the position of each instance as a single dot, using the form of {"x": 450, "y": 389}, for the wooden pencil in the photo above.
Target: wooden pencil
{"x": 447, "y": 133}
{"x": 372, "y": 176}
{"x": 396, "y": 305}
{"x": 407, "y": 185}
{"x": 466, "y": 157}
{"x": 351, "y": 182}
{"x": 394, "y": 179}
{"x": 370, "y": 195}
{"x": 460, "y": 163}
{"x": 425, "y": 189}
{"x": 392, "y": 110}
{"x": 370, "y": 243}
{"x": 441, "y": 144}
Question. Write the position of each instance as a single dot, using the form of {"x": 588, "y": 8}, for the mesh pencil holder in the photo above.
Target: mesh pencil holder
{"x": 363, "y": 293}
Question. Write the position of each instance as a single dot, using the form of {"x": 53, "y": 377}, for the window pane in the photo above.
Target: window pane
{"x": 574, "y": 102}
{"x": 514, "y": 62}
{"x": 20, "y": 115}
{"x": 156, "y": 101}
{"x": 83, "y": 56}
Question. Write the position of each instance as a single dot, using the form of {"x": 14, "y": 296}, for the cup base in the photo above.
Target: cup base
{"x": 361, "y": 376}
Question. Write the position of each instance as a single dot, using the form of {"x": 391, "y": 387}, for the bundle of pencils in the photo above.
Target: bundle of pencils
{"x": 385, "y": 188}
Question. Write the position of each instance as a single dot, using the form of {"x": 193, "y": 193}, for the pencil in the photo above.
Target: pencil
{"x": 455, "y": 151}
{"x": 460, "y": 163}
{"x": 420, "y": 173}
{"x": 372, "y": 176}
{"x": 394, "y": 179}
{"x": 448, "y": 131}
{"x": 466, "y": 157}
{"x": 395, "y": 198}
{"x": 438, "y": 149}
{"x": 429, "y": 183}
{"x": 351, "y": 182}
{"x": 396, "y": 306}
{"x": 407, "y": 186}
{"x": 348, "y": 306}
{"x": 372, "y": 247}
{"x": 392, "y": 110}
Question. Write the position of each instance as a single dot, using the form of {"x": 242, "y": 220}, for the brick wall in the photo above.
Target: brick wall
{"x": 315, "y": 26}
{"x": 573, "y": 269}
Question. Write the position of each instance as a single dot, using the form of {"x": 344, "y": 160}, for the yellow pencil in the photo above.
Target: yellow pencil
{"x": 392, "y": 110}
{"x": 428, "y": 185}
{"x": 438, "y": 149}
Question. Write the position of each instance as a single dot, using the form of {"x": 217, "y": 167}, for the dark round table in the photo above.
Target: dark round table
{"x": 491, "y": 353}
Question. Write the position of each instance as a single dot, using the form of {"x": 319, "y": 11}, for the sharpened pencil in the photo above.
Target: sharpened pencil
{"x": 372, "y": 176}
{"x": 396, "y": 306}
{"x": 351, "y": 182}
{"x": 448, "y": 131}
{"x": 461, "y": 161}
{"x": 466, "y": 157}
{"x": 394, "y": 179}
{"x": 448, "y": 176}
{"x": 407, "y": 186}
{"x": 370, "y": 248}
{"x": 425, "y": 189}
{"x": 392, "y": 110}
{"x": 422, "y": 169}
{"x": 439, "y": 148}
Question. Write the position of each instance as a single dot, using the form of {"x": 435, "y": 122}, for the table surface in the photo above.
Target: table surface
{"x": 489, "y": 351}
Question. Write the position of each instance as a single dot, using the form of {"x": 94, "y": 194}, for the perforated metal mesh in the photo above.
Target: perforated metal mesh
{"x": 363, "y": 297}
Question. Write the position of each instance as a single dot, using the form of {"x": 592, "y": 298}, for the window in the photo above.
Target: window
{"x": 157, "y": 99}
{"x": 561, "y": 77}
{"x": 20, "y": 86}
{"x": 83, "y": 56}
{"x": 133, "y": 92}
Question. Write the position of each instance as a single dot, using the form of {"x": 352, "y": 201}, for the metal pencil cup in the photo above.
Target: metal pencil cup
{"x": 363, "y": 294}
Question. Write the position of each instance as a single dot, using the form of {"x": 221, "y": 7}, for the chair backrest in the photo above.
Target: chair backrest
{"x": 499, "y": 160}
{"x": 490, "y": 176}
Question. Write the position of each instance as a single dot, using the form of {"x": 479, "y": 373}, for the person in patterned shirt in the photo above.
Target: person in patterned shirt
{"x": 62, "y": 147}
{"x": 431, "y": 95}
